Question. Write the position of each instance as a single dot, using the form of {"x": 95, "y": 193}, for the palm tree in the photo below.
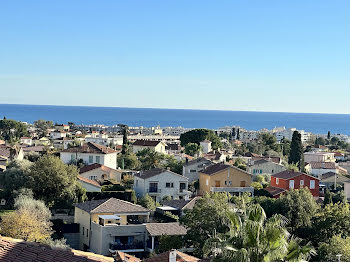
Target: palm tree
{"x": 254, "y": 238}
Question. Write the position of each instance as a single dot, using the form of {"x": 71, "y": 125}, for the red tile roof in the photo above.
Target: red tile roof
{"x": 14, "y": 250}
{"x": 89, "y": 181}
{"x": 170, "y": 229}
{"x": 274, "y": 191}
{"x": 88, "y": 168}
{"x": 164, "y": 257}
{"x": 323, "y": 165}
{"x": 90, "y": 148}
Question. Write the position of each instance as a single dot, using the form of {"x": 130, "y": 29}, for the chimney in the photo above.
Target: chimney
{"x": 172, "y": 256}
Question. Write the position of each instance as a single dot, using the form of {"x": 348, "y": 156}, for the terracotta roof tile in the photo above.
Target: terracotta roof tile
{"x": 171, "y": 229}
{"x": 274, "y": 191}
{"x": 89, "y": 181}
{"x": 145, "y": 143}
{"x": 111, "y": 205}
{"x": 164, "y": 257}
{"x": 90, "y": 148}
{"x": 14, "y": 250}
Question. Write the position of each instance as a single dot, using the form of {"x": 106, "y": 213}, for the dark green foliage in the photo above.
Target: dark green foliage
{"x": 150, "y": 159}
{"x": 320, "y": 141}
{"x": 329, "y": 135}
{"x": 192, "y": 149}
{"x": 207, "y": 217}
{"x": 296, "y": 154}
{"x": 167, "y": 243}
{"x": 12, "y": 130}
{"x": 198, "y": 135}
{"x": 148, "y": 202}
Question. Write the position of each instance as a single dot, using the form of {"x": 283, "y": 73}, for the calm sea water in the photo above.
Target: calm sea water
{"x": 316, "y": 123}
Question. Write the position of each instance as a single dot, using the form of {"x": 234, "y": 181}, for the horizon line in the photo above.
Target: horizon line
{"x": 192, "y": 109}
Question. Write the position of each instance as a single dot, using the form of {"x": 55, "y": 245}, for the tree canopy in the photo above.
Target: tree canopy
{"x": 12, "y": 130}
{"x": 198, "y": 135}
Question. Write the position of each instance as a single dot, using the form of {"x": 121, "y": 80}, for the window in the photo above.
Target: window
{"x": 72, "y": 157}
{"x": 137, "y": 183}
{"x": 83, "y": 231}
{"x": 260, "y": 171}
{"x": 301, "y": 182}
{"x": 193, "y": 170}
{"x": 277, "y": 181}
{"x": 228, "y": 183}
{"x": 98, "y": 158}
{"x": 312, "y": 184}
{"x": 91, "y": 159}
{"x": 93, "y": 177}
{"x": 272, "y": 171}
{"x": 169, "y": 185}
{"x": 207, "y": 182}
{"x": 242, "y": 183}
{"x": 291, "y": 184}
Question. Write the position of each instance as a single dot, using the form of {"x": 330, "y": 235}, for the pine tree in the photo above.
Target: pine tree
{"x": 296, "y": 151}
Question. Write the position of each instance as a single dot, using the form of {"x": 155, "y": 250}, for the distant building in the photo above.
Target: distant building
{"x": 99, "y": 172}
{"x": 206, "y": 146}
{"x": 264, "y": 166}
{"x": 319, "y": 157}
{"x": 191, "y": 168}
{"x": 89, "y": 185}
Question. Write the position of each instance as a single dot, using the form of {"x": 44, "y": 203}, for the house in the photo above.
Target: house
{"x": 177, "y": 206}
{"x": 173, "y": 148}
{"x": 91, "y": 153}
{"x": 191, "y": 168}
{"x": 89, "y": 185}
{"x": 206, "y": 146}
{"x": 44, "y": 141}
{"x": 157, "y": 146}
{"x": 62, "y": 127}
{"x": 111, "y": 224}
{"x": 224, "y": 178}
{"x": 26, "y": 141}
{"x": 58, "y": 134}
{"x": 330, "y": 178}
{"x": 172, "y": 256}
{"x": 19, "y": 250}
{"x": 274, "y": 159}
{"x": 290, "y": 179}
{"x": 319, "y": 157}
{"x": 264, "y": 166}
{"x": 11, "y": 153}
{"x": 339, "y": 156}
{"x": 159, "y": 183}
{"x": 215, "y": 156}
{"x": 99, "y": 172}
{"x": 319, "y": 168}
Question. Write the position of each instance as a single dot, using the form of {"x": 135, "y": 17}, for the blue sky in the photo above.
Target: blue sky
{"x": 290, "y": 56}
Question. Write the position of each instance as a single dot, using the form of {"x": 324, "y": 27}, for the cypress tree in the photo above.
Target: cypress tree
{"x": 238, "y": 136}
{"x": 234, "y": 133}
{"x": 329, "y": 135}
{"x": 296, "y": 151}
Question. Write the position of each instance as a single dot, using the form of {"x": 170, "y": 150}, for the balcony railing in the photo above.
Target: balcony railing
{"x": 132, "y": 246}
{"x": 154, "y": 190}
{"x": 232, "y": 189}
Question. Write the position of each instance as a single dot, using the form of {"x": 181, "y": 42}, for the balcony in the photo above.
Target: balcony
{"x": 233, "y": 190}
{"x": 153, "y": 190}
{"x": 136, "y": 246}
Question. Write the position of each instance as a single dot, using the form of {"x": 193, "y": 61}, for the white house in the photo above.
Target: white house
{"x": 319, "y": 168}
{"x": 58, "y": 134}
{"x": 159, "y": 183}
{"x": 319, "y": 157}
{"x": 91, "y": 153}
{"x": 89, "y": 185}
{"x": 206, "y": 146}
{"x": 26, "y": 141}
{"x": 157, "y": 146}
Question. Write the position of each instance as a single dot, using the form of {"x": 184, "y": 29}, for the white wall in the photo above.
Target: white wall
{"x": 109, "y": 160}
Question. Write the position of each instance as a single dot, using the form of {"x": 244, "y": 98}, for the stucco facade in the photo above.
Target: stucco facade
{"x": 166, "y": 183}
{"x": 109, "y": 160}
{"x": 230, "y": 177}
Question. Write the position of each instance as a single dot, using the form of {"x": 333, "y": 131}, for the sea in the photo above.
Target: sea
{"x": 147, "y": 117}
